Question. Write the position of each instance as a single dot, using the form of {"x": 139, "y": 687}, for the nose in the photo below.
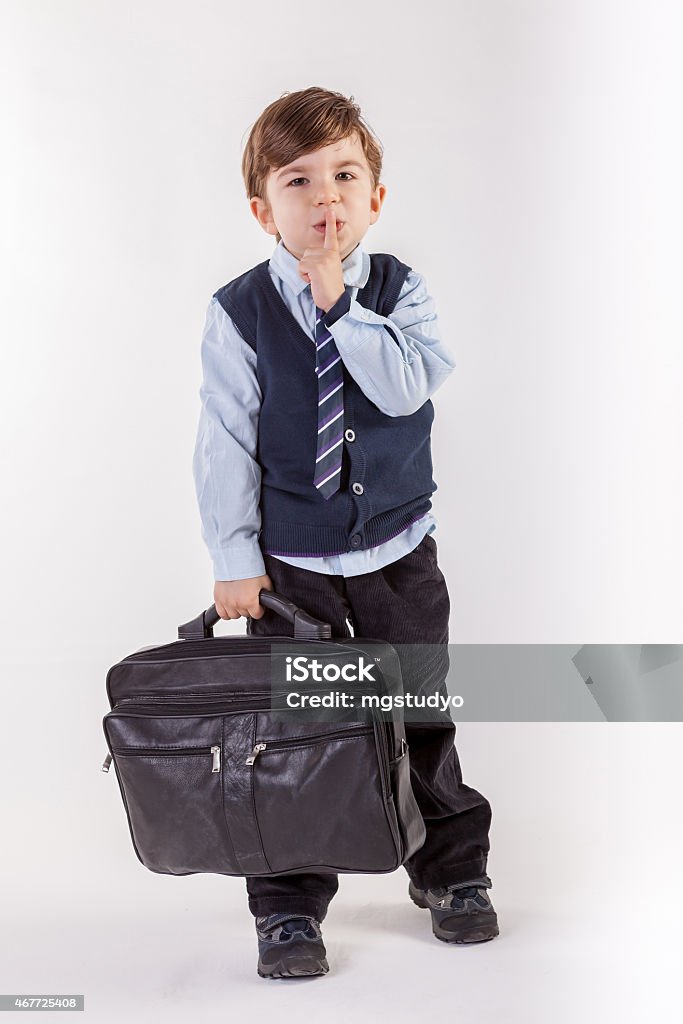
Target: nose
{"x": 327, "y": 193}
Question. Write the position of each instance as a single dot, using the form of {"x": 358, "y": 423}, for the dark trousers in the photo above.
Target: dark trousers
{"x": 405, "y": 603}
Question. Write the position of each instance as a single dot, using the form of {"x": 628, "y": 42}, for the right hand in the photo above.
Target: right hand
{"x": 234, "y": 598}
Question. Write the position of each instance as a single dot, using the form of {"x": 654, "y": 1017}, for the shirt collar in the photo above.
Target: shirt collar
{"x": 355, "y": 267}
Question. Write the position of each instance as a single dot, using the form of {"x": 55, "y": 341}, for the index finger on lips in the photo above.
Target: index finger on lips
{"x": 331, "y": 241}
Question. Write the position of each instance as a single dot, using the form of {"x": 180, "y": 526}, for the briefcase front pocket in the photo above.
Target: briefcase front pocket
{"x": 325, "y": 803}
{"x": 174, "y": 802}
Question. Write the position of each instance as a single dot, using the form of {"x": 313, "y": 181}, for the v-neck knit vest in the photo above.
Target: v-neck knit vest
{"x": 386, "y": 477}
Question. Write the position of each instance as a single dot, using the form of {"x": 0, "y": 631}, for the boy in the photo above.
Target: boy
{"x": 313, "y": 474}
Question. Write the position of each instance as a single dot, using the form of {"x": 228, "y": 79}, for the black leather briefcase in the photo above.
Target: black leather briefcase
{"x": 218, "y": 775}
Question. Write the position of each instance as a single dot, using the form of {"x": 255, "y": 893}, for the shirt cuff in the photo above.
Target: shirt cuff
{"x": 341, "y": 306}
{"x": 238, "y": 565}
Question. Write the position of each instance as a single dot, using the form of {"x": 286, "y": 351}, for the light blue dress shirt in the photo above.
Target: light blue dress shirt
{"x": 397, "y": 361}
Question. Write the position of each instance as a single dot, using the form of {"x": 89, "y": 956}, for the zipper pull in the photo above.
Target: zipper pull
{"x": 216, "y": 751}
{"x": 255, "y": 753}
{"x": 106, "y": 763}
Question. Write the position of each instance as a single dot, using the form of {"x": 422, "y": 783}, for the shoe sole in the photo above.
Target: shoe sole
{"x": 470, "y": 933}
{"x": 292, "y": 967}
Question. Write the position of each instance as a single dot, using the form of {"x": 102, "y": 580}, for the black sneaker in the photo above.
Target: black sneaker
{"x": 290, "y": 946}
{"x": 460, "y": 913}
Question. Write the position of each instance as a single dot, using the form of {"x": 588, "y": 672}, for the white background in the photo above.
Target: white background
{"x": 533, "y": 162}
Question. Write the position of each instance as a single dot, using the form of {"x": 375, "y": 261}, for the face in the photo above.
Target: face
{"x": 337, "y": 175}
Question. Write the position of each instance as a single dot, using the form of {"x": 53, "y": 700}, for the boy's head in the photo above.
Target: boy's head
{"x": 309, "y": 150}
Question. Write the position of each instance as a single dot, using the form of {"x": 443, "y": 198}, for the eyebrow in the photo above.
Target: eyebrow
{"x": 342, "y": 163}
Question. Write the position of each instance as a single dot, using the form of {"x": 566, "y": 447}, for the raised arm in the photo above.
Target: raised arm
{"x": 398, "y": 361}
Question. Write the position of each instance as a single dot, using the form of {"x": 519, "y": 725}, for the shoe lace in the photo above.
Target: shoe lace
{"x": 458, "y": 894}
{"x": 288, "y": 924}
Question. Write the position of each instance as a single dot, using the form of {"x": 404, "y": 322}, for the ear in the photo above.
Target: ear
{"x": 376, "y": 200}
{"x": 261, "y": 210}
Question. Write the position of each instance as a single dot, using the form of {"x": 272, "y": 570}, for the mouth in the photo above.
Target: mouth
{"x": 321, "y": 226}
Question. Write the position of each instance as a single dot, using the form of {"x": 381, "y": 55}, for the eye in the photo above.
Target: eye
{"x": 294, "y": 180}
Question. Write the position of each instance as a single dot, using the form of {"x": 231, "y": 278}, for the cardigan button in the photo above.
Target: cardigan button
{"x": 357, "y": 488}
{"x": 356, "y": 540}
{"x": 350, "y": 434}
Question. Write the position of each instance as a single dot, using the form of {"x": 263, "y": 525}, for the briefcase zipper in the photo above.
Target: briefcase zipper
{"x": 305, "y": 741}
{"x": 182, "y": 698}
{"x": 214, "y": 750}
{"x": 253, "y": 646}
{"x": 256, "y": 700}
{"x": 212, "y": 647}
{"x": 134, "y": 707}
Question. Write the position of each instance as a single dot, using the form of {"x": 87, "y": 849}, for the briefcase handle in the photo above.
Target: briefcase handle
{"x": 305, "y": 626}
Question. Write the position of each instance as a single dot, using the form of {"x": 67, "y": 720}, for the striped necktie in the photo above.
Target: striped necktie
{"x": 330, "y": 370}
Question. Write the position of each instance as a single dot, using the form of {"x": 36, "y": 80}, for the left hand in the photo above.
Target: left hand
{"x": 321, "y": 266}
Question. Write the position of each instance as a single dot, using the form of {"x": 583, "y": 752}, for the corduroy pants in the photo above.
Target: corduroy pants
{"x": 404, "y": 603}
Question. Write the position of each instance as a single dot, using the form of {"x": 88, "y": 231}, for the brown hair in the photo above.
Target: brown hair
{"x": 298, "y": 123}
